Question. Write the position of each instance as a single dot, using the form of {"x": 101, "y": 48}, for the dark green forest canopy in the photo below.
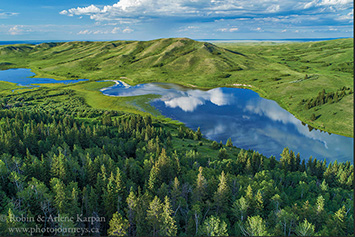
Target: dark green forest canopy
{"x": 125, "y": 174}
{"x": 292, "y": 74}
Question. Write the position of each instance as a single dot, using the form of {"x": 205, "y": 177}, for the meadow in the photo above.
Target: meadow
{"x": 289, "y": 73}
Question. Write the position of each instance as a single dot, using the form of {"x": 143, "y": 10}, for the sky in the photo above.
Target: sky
{"x": 195, "y": 19}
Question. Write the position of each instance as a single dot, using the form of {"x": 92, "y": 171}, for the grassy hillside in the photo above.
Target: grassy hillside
{"x": 302, "y": 71}
{"x": 291, "y": 74}
{"x": 163, "y": 60}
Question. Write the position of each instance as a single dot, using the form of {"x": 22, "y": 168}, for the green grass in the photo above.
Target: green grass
{"x": 7, "y": 87}
{"x": 328, "y": 65}
{"x": 275, "y": 71}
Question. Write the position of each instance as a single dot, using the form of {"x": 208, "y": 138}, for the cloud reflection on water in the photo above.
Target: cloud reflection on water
{"x": 189, "y": 100}
{"x": 174, "y": 96}
{"x": 251, "y": 121}
{"x": 273, "y": 111}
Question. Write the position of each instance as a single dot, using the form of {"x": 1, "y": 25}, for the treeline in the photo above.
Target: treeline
{"x": 123, "y": 174}
{"x": 64, "y": 102}
{"x": 326, "y": 97}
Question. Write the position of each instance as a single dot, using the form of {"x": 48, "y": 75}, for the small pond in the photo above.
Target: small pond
{"x": 23, "y": 77}
{"x": 250, "y": 121}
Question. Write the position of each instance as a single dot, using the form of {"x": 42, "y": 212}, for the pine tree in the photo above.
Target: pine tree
{"x": 273, "y": 162}
{"x": 240, "y": 208}
{"x": 229, "y": 142}
{"x": 213, "y": 226}
{"x": 223, "y": 154}
{"x": 249, "y": 195}
{"x": 180, "y": 133}
{"x": 168, "y": 225}
{"x": 200, "y": 188}
{"x": 221, "y": 196}
{"x": 287, "y": 221}
{"x": 324, "y": 186}
{"x": 259, "y": 202}
{"x": 131, "y": 209}
{"x": 65, "y": 223}
{"x": 153, "y": 181}
{"x": 248, "y": 167}
{"x": 305, "y": 229}
{"x": 109, "y": 197}
{"x": 337, "y": 223}
{"x": 59, "y": 169}
{"x": 284, "y": 160}
{"x": 215, "y": 145}
{"x": 74, "y": 201}
{"x": 118, "y": 225}
{"x": 320, "y": 204}
{"x": 255, "y": 226}
{"x": 60, "y": 199}
{"x": 154, "y": 215}
{"x": 276, "y": 199}
{"x": 198, "y": 134}
{"x": 175, "y": 192}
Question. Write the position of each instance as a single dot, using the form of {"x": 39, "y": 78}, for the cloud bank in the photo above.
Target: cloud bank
{"x": 223, "y": 16}
{"x": 205, "y": 9}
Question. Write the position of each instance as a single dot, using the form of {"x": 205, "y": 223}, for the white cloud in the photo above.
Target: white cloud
{"x": 273, "y": 8}
{"x": 84, "y": 32}
{"x": 81, "y": 11}
{"x": 4, "y": 15}
{"x": 141, "y": 9}
{"x": 19, "y": 30}
{"x": 227, "y": 15}
{"x": 334, "y": 3}
{"x": 115, "y": 30}
{"x": 233, "y": 29}
{"x": 127, "y": 31}
{"x": 349, "y": 16}
{"x": 228, "y": 29}
{"x": 93, "y": 32}
{"x": 222, "y": 29}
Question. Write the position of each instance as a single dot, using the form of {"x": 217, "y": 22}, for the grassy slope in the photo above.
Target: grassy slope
{"x": 5, "y": 87}
{"x": 322, "y": 62}
{"x": 275, "y": 71}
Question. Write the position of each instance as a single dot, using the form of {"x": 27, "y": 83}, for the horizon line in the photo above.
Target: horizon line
{"x": 197, "y": 39}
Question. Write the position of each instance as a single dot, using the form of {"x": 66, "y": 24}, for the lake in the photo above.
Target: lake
{"x": 250, "y": 121}
{"x": 23, "y": 77}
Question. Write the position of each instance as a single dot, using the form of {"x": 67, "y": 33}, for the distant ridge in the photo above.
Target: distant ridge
{"x": 208, "y": 40}
{"x": 170, "y": 57}
{"x": 281, "y": 40}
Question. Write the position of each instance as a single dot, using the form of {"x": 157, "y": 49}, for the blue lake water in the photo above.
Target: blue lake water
{"x": 251, "y": 121}
{"x": 22, "y": 77}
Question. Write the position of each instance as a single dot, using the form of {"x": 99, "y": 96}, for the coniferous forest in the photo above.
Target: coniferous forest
{"x": 69, "y": 169}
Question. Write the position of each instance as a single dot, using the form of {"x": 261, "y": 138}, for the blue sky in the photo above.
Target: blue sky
{"x": 196, "y": 19}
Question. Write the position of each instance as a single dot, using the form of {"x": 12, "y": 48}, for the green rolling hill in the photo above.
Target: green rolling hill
{"x": 293, "y": 74}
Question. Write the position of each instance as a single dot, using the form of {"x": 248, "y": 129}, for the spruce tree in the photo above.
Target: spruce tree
{"x": 305, "y": 229}
{"x": 229, "y": 142}
{"x": 222, "y": 195}
{"x": 168, "y": 223}
{"x": 118, "y": 225}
